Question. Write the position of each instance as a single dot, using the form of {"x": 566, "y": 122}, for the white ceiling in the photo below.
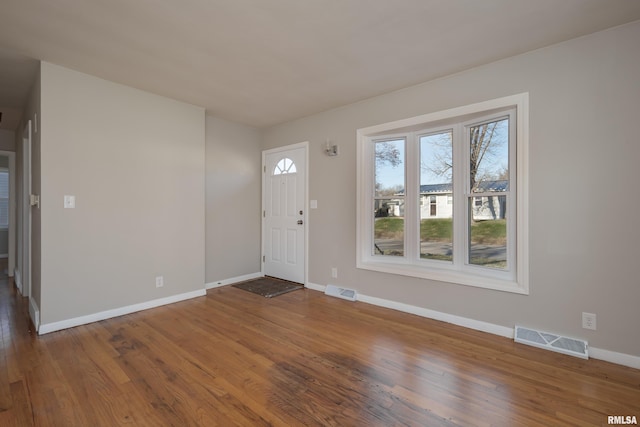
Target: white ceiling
{"x": 263, "y": 62}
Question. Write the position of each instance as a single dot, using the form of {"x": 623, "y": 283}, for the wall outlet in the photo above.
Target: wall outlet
{"x": 589, "y": 321}
{"x": 334, "y": 273}
{"x": 69, "y": 202}
{"x": 159, "y": 282}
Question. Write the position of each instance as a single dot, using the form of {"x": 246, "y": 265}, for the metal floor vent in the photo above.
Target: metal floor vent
{"x": 553, "y": 342}
{"x": 344, "y": 293}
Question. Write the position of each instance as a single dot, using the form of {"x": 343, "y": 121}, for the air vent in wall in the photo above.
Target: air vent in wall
{"x": 553, "y": 342}
{"x": 344, "y": 293}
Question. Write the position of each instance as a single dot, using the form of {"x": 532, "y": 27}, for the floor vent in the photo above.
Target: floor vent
{"x": 553, "y": 342}
{"x": 344, "y": 293}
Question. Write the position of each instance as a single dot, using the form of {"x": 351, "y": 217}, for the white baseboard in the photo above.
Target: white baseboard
{"x": 34, "y": 313}
{"x": 315, "y": 287}
{"x": 503, "y": 331}
{"x": 615, "y": 357}
{"x": 491, "y": 328}
{"x": 226, "y": 282}
{"x": 103, "y": 315}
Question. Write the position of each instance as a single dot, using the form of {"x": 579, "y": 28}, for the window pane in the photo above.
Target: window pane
{"x": 489, "y": 157}
{"x": 285, "y": 165}
{"x": 436, "y": 196}
{"x": 388, "y": 233}
{"x": 389, "y": 168}
{"x": 488, "y": 232}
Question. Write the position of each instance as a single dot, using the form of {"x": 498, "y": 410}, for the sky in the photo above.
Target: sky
{"x": 435, "y": 150}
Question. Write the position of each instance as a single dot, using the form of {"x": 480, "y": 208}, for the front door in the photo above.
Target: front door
{"x": 284, "y": 213}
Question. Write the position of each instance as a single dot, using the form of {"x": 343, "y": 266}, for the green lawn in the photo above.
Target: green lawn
{"x": 489, "y": 232}
{"x": 389, "y": 228}
{"x": 436, "y": 230}
{"x": 440, "y": 229}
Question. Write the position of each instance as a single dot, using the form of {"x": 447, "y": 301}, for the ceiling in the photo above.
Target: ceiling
{"x": 263, "y": 62}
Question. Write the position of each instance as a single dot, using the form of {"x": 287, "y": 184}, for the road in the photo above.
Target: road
{"x": 490, "y": 254}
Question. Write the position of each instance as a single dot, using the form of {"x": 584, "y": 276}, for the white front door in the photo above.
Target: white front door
{"x": 284, "y": 213}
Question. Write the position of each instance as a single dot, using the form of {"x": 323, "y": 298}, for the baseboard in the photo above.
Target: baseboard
{"x": 232, "y": 280}
{"x": 491, "y": 328}
{"x": 4, "y": 255}
{"x": 108, "y": 314}
{"x": 615, "y": 357}
{"x": 315, "y": 287}
{"x": 34, "y": 313}
{"x": 503, "y": 331}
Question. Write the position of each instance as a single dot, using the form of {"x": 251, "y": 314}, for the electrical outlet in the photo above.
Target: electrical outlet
{"x": 334, "y": 273}
{"x": 159, "y": 282}
{"x": 589, "y": 321}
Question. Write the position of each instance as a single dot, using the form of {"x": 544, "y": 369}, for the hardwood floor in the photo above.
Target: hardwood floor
{"x": 235, "y": 358}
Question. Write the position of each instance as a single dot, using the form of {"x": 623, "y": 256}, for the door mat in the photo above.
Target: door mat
{"x": 268, "y": 287}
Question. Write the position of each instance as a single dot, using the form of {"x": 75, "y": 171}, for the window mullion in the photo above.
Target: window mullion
{"x": 412, "y": 208}
{"x": 513, "y": 195}
{"x": 460, "y": 232}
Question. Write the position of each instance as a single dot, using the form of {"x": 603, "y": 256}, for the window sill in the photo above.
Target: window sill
{"x": 442, "y": 275}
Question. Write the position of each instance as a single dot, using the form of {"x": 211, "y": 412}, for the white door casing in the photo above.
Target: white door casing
{"x": 284, "y": 212}
{"x": 25, "y": 268}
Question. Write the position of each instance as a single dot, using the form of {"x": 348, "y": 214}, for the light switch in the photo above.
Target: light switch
{"x": 69, "y": 202}
{"x": 314, "y": 204}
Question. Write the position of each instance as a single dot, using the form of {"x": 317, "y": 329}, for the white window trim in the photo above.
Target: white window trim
{"x": 406, "y": 266}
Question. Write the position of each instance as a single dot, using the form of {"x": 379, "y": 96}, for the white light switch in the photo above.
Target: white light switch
{"x": 314, "y": 204}
{"x": 69, "y": 202}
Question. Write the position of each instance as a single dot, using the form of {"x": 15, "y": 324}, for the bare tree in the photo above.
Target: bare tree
{"x": 441, "y": 163}
{"x": 481, "y": 147}
{"x": 387, "y": 153}
{"x": 485, "y": 144}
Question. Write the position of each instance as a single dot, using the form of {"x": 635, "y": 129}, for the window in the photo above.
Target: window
{"x": 443, "y": 196}
{"x": 284, "y": 166}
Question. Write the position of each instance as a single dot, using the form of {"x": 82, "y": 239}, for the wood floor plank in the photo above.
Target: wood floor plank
{"x": 302, "y": 358}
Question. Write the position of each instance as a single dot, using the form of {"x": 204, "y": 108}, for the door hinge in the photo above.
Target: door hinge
{"x": 264, "y": 169}
{"x": 262, "y": 258}
{"x": 264, "y": 214}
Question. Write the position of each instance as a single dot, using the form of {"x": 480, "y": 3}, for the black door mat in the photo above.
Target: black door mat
{"x": 268, "y": 287}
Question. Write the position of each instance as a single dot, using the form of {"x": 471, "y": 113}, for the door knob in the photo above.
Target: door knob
{"x": 299, "y": 222}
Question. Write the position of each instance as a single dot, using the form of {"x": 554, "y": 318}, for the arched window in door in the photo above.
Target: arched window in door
{"x": 285, "y": 165}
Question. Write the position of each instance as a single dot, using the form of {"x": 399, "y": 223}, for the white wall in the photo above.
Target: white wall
{"x": 584, "y": 97}
{"x": 135, "y": 162}
{"x": 233, "y": 161}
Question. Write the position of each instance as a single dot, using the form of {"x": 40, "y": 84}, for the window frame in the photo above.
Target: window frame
{"x": 516, "y": 279}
